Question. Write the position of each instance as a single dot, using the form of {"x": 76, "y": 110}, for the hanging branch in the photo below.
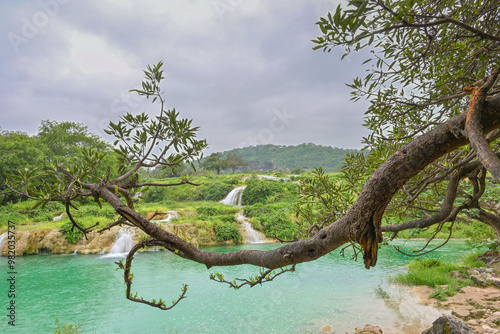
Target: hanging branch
{"x": 429, "y": 251}
{"x": 128, "y": 277}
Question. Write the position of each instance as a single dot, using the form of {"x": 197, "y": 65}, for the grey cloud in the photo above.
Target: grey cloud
{"x": 228, "y": 71}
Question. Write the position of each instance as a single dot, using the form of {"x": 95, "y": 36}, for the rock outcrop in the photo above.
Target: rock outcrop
{"x": 53, "y": 241}
{"x": 448, "y": 325}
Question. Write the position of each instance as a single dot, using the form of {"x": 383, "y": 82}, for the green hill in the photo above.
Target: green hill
{"x": 306, "y": 156}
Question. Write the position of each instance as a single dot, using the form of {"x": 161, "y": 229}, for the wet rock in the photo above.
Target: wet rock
{"x": 369, "y": 329}
{"x": 448, "y": 325}
{"x": 326, "y": 329}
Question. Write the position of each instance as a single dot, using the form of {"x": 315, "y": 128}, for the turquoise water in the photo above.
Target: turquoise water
{"x": 333, "y": 291}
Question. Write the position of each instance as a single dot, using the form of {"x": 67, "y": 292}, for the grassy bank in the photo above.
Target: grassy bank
{"x": 446, "y": 278}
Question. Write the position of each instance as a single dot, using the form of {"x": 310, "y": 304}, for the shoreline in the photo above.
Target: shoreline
{"x": 477, "y": 306}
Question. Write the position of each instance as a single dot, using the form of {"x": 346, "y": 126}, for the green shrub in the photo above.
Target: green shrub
{"x": 273, "y": 219}
{"x": 209, "y": 211}
{"x": 216, "y": 210}
{"x": 472, "y": 260}
{"x": 68, "y": 328}
{"x": 420, "y": 264}
{"x": 258, "y": 191}
{"x": 71, "y": 233}
{"x": 216, "y": 191}
{"x": 154, "y": 194}
{"x": 226, "y": 232}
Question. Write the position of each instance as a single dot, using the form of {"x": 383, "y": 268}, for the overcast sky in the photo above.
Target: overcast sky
{"x": 243, "y": 70}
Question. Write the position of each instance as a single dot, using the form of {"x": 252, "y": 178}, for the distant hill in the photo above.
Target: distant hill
{"x": 306, "y": 156}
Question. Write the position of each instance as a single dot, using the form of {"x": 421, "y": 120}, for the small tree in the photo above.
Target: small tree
{"x": 213, "y": 162}
{"x": 233, "y": 161}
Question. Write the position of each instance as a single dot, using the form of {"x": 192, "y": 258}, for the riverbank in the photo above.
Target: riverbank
{"x": 478, "y": 306}
{"x": 30, "y": 242}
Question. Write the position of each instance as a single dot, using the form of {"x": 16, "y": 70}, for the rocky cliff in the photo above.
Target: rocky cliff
{"x": 54, "y": 242}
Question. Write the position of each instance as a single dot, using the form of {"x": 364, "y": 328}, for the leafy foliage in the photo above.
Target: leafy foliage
{"x": 423, "y": 60}
{"x": 324, "y": 199}
{"x": 420, "y": 52}
{"x": 227, "y": 231}
{"x": 274, "y": 220}
{"x": 68, "y": 328}
{"x": 264, "y": 191}
{"x": 71, "y": 234}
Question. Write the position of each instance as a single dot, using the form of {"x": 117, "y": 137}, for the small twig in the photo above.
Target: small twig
{"x": 263, "y": 277}
{"x": 429, "y": 251}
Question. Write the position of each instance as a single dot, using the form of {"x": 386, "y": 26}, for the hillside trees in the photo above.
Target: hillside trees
{"x": 213, "y": 162}
{"x": 55, "y": 141}
{"x": 233, "y": 161}
{"x": 17, "y": 152}
{"x": 217, "y": 162}
{"x": 422, "y": 119}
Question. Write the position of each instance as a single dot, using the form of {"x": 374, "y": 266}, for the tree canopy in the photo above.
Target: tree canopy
{"x": 431, "y": 65}
{"x": 434, "y": 118}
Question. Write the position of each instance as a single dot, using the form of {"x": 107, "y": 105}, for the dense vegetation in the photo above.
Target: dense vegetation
{"x": 293, "y": 158}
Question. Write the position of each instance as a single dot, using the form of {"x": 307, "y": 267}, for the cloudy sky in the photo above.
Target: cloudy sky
{"x": 243, "y": 70}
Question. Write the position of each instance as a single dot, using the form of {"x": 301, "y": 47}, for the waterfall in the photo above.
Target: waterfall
{"x": 75, "y": 252}
{"x": 171, "y": 215}
{"x": 123, "y": 244}
{"x": 3, "y": 237}
{"x": 57, "y": 218}
{"x": 248, "y": 233}
{"x": 234, "y": 197}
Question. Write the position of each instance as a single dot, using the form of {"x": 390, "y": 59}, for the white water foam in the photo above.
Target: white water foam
{"x": 234, "y": 197}
{"x": 123, "y": 244}
{"x": 249, "y": 234}
{"x": 171, "y": 215}
{"x": 3, "y": 238}
{"x": 57, "y": 218}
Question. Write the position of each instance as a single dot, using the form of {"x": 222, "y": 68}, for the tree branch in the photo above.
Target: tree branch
{"x": 474, "y": 129}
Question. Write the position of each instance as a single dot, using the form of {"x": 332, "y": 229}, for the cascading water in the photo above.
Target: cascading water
{"x": 3, "y": 237}
{"x": 248, "y": 233}
{"x": 123, "y": 244}
{"x": 234, "y": 197}
{"x": 171, "y": 215}
{"x": 57, "y": 218}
